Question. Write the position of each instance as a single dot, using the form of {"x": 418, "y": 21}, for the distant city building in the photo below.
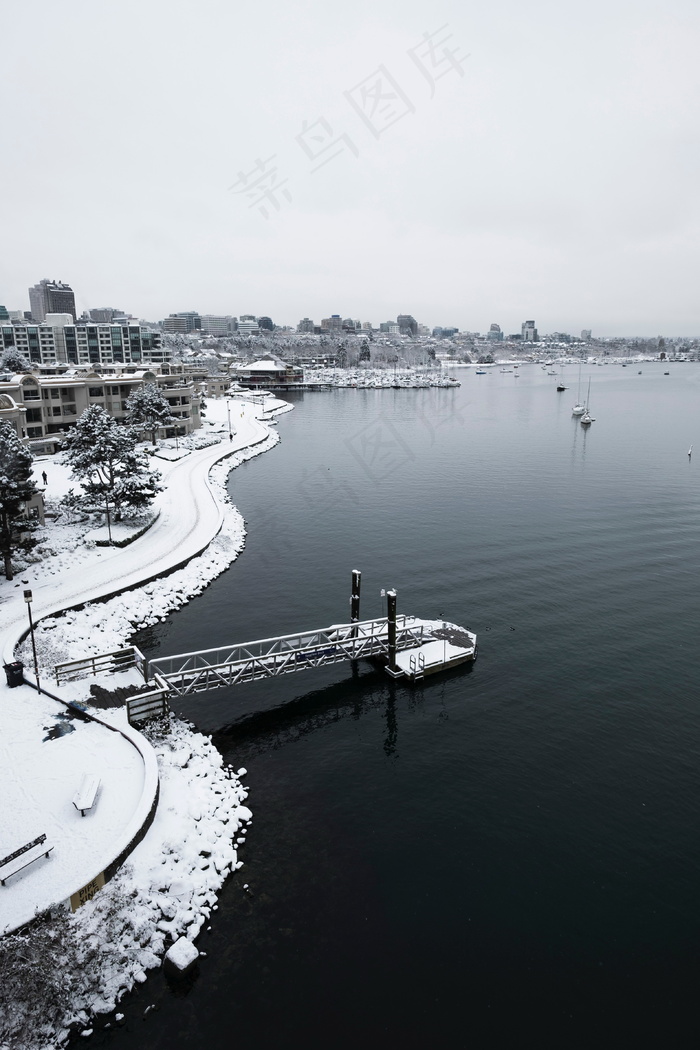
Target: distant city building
{"x": 407, "y": 324}
{"x": 494, "y": 333}
{"x": 306, "y": 325}
{"x": 248, "y": 325}
{"x": 186, "y": 322}
{"x": 86, "y": 344}
{"x": 217, "y": 324}
{"x": 334, "y": 323}
{"x": 105, "y": 314}
{"x": 4, "y": 314}
{"x": 51, "y": 297}
{"x": 586, "y": 335}
{"x": 529, "y": 332}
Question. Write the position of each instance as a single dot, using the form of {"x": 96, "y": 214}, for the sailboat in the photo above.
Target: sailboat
{"x": 560, "y": 384}
{"x": 587, "y": 418}
{"x": 578, "y": 408}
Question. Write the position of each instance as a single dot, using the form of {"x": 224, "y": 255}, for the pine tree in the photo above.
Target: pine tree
{"x": 16, "y": 487}
{"x": 13, "y": 361}
{"x": 148, "y": 410}
{"x": 103, "y": 455}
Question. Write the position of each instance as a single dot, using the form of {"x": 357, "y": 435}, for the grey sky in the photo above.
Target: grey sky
{"x": 556, "y": 178}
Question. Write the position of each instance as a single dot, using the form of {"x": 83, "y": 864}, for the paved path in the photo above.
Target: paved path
{"x": 42, "y": 755}
{"x": 190, "y": 517}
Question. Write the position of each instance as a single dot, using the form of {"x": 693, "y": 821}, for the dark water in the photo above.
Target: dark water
{"x": 507, "y": 855}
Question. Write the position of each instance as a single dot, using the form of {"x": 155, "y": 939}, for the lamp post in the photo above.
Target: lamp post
{"x": 228, "y": 410}
{"x": 28, "y": 600}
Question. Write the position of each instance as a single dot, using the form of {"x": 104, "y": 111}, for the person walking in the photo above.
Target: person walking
{"x": 44, "y": 477}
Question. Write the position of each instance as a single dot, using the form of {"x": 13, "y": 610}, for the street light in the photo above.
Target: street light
{"x": 228, "y": 409}
{"x": 28, "y": 600}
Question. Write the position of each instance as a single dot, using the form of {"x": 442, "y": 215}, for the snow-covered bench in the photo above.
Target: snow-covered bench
{"x": 84, "y": 798}
{"x": 23, "y": 857}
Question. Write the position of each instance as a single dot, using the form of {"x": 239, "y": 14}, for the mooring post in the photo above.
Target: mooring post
{"x": 355, "y": 599}
{"x": 391, "y": 629}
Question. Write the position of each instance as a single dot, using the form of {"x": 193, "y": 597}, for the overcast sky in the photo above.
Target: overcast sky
{"x": 463, "y": 163}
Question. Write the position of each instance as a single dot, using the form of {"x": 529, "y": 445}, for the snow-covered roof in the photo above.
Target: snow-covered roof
{"x": 264, "y": 365}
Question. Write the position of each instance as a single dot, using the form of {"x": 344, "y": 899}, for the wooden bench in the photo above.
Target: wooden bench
{"x": 84, "y": 798}
{"x": 23, "y": 857}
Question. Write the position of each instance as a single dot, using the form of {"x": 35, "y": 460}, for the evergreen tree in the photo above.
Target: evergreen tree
{"x": 13, "y": 361}
{"x": 16, "y": 487}
{"x": 103, "y": 455}
{"x": 148, "y": 410}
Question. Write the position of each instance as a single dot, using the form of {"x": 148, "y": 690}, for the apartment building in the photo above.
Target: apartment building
{"x": 43, "y": 407}
{"x": 57, "y": 342}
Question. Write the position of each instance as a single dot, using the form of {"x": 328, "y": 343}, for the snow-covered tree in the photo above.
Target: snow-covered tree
{"x": 148, "y": 410}
{"x": 13, "y": 361}
{"x": 16, "y": 487}
{"x": 104, "y": 457}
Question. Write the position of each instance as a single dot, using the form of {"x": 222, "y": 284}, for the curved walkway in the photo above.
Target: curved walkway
{"x": 44, "y": 751}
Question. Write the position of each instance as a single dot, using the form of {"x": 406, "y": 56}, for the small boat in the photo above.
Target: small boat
{"x": 587, "y": 418}
{"x": 481, "y": 371}
{"x": 578, "y": 408}
{"x": 667, "y": 373}
{"x": 690, "y": 451}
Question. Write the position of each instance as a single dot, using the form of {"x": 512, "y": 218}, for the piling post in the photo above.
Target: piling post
{"x": 355, "y": 598}
{"x": 355, "y": 601}
{"x": 391, "y": 630}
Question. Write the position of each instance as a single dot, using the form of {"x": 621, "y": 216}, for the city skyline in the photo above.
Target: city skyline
{"x": 469, "y": 166}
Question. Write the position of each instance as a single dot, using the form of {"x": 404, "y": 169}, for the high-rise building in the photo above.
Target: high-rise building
{"x": 306, "y": 325}
{"x": 529, "y": 332}
{"x": 51, "y": 297}
{"x": 495, "y": 333}
{"x": 407, "y": 324}
{"x": 334, "y": 323}
{"x": 586, "y": 335}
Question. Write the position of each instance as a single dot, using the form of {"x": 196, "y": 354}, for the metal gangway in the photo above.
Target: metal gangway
{"x": 229, "y": 665}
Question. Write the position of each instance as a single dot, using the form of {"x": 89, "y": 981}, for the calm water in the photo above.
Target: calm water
{"x": 507, "y": 855}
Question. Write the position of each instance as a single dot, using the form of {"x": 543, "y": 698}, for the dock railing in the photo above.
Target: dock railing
{"x": 269, "y": 657}
{"x": 103, "y": 663}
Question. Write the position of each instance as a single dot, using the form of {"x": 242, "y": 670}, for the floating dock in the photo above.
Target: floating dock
{"x": 406, "y": 646}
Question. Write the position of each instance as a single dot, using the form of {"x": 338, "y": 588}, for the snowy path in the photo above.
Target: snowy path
{"x": 190, "y": 517}
{"x": 43, "y": 753}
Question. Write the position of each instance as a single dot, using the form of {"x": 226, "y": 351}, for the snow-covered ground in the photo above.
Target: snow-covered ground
{"x": 169, "y": 884}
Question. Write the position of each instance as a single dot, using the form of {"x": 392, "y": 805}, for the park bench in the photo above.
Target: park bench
{"x": 84, "y": 798}
{"x": 23, "y": 857}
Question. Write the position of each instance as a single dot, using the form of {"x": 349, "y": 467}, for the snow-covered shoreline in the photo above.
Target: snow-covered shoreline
{"x": 168, "y": 886}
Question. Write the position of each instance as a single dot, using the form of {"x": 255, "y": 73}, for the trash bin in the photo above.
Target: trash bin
{"x": 15, "y": 673}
